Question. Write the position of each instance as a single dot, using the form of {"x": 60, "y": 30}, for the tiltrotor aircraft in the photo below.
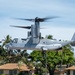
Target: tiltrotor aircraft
{"x": 34, "y": 41}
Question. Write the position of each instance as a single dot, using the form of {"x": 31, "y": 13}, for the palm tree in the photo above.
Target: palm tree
{"x": 7, "y": 40}
{"x": 20, "y": 63}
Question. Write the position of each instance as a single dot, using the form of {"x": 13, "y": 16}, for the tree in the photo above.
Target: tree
{"x": 20, "y": 63}
{"x": 53, "y": 58}
{"x": 49, "y": 36}
{"x": 67, "y": 55}
{"x": 7, "y": 40}
{"x": 36, "y": 56}
{"x": 2, "y": 50}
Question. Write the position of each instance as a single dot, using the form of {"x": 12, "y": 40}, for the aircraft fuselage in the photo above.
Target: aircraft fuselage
{"x": 45, "y": 44}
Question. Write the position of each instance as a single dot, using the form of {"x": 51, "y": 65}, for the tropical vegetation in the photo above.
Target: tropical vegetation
{"x": 41, "y": 61}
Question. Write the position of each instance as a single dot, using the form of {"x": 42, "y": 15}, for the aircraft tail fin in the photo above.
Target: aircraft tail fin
{"x": 73, "y": 38}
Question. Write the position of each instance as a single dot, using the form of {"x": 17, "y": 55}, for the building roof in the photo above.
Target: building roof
{"x": 11, "y": 66}
{"x": 70, "y": 68}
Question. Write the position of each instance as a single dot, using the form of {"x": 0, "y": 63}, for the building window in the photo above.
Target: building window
{"x": 12, "y": 72}
{"x": 24, "y": 73}
{"x": 1, "y": 71}
{"x": 74, "y": 72}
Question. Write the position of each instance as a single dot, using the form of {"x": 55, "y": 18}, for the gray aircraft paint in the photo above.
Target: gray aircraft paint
{"x": 34, "y": 42}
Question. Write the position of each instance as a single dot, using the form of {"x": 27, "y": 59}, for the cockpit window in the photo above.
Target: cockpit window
{"x": 15, "y": 40}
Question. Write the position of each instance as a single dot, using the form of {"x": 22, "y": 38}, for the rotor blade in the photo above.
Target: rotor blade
{"x": 52, "y": 17}
{"x": 46, "y": 18}
{"x": 27, "y": 27}
{"x": 25, "y": 19}
{"x": 38, "y": 19}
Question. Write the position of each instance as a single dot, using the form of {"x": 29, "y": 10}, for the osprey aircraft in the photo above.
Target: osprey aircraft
{"x": 34, "y": 40}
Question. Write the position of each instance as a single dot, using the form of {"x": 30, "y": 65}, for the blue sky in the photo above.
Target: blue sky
{"x": 61, "y": 28}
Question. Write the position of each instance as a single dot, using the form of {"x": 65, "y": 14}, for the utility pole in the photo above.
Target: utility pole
{"x": 61, "y": 63}
{"x": 45, "y": 59}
